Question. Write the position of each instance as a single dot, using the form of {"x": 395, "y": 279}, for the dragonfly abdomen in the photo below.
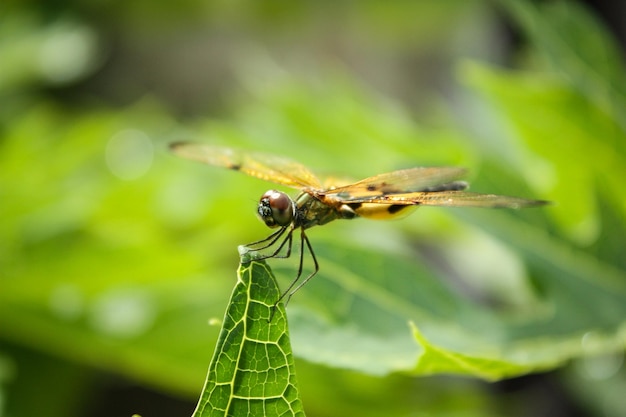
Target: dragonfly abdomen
{"x": 378, "y": 211}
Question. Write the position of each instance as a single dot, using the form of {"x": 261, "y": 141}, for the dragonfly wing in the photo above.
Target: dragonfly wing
{"x": 256, "y": 164}
{"x": 451, "y": 199}
{"x": 402, "y": 181}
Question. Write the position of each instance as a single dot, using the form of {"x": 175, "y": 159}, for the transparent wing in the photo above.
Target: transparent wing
{"x": 403, "y": 181}
{"x": 256, "y": 164}
{"x": 451, "y": 199}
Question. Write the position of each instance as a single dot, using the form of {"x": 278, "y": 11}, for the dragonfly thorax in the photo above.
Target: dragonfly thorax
{"x": 276, "y": 209}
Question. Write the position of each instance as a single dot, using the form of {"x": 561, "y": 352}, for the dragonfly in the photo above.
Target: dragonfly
{"x": 383, "y": 196}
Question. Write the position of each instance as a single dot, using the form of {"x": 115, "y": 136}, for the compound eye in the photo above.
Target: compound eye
{"x": 275, "y": 209}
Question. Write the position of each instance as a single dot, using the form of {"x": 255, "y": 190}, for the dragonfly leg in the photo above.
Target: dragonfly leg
{"x": 290, "y": 291}
{"x": 273, "y": 238}
{"x": 316, "y": 268}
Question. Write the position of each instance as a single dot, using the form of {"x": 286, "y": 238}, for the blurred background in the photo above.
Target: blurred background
{"x": 115, "y": 255}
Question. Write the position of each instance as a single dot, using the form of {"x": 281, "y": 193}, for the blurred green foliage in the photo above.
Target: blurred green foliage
{"x": 114, "y": 254}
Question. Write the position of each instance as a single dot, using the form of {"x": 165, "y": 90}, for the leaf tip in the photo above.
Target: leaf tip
{"x": 248, "y": 255}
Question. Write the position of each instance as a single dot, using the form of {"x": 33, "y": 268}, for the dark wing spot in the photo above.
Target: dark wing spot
{"x": 396, "y": 208}
{"x": 355, "y": 206}
{"x": 372, "y": 187}
{"x": 235, "y": 167}
{"x": 450, "y": 186}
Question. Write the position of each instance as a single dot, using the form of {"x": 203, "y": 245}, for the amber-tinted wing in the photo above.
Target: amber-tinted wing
{"x": 450, "y": 199}
{"x": 256, "y": 164}
{"x": 403, "y": 181}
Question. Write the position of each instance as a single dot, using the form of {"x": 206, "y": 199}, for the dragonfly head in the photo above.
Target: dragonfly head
{"x": 276, "y": 209}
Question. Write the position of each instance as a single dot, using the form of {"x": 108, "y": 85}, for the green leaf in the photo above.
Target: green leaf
{"x": 435, "y": 359}
{"x": 578, "y": 47}
{"x": 252, "y": 371}
{"x": 569, "y": 114}
{"x": 365, "y": 299}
